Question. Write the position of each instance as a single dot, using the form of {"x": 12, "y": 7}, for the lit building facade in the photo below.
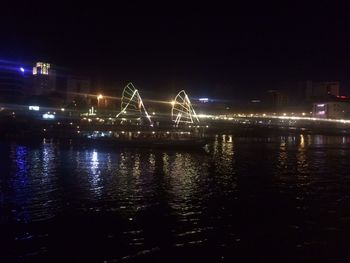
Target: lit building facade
{"x": 41, "y": 68}
{"x": 44, "y": 79}
{"x": 331, "y": 110}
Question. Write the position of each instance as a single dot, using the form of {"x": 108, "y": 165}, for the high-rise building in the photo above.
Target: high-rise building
{"x": 277, "y": 99}
{"x": 44, "y": 79}
{"x": 78, "y": 90}
{"x": 321, "y": 90}
{"x": 12, "y": 79}
{"x": 331, "y": 109}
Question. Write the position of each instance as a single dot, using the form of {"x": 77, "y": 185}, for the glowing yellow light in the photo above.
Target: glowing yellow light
{"x": 172, "y": 102}
{"x": 302, "y": 141}
{"x": 100, "y": 96}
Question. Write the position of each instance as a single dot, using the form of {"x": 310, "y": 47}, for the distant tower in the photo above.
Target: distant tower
{"x": 44, "y": 79}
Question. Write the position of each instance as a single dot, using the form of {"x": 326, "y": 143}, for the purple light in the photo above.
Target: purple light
{"x": 21, "y": 69}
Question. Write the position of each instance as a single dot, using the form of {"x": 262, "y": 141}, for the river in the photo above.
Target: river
{"x": 242, "y": 199}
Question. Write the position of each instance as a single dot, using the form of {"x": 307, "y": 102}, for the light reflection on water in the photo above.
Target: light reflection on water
{"x": 190, "y": 196}
{"x": 33, "y": 186}
{"x": 94, "y": 174}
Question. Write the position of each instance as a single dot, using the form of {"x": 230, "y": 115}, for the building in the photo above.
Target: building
{"x": 43, "y": 79}
{"x": 331, "y": 110}
{"x": 78, "y": 90}
{"x": 12, "y": 82}
{"x": 211, "y": 106}
{"x": 276, "y": 99}
{"x": 321, "y": 90}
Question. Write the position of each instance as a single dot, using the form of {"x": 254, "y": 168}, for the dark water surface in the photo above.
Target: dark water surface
{"x": 277, "y": 199}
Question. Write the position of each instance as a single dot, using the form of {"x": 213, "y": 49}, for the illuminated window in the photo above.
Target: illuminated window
{"x": 41, "y": 68}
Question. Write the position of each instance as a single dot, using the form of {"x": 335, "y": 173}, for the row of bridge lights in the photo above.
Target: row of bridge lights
{"x": 260, "y": 115}
{"x": 153, "y": 132}
{"x": 100, "y": 97}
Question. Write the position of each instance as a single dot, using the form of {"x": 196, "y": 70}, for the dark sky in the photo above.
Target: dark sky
{"x": 231, "y": 51}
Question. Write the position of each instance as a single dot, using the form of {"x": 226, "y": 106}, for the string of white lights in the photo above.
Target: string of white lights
{"x": 182, "y": 110}
{"x": 132, "y": 98}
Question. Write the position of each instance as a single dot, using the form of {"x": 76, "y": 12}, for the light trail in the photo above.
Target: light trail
{"x": 265, "y": 116}
{"x": 91, "y": 95}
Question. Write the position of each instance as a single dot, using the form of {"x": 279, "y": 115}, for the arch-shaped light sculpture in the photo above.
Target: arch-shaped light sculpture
{"x": 182, "y": 110}
{"x": 131, "y": 102}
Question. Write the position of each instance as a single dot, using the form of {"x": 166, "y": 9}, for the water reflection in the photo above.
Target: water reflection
{"x": 283, "y": 155}
{"x": 223, "y": 154}
{"x": 45, "y": 183}
{"x": 302, "y": 163}
{"x": 124, "y": 179}
{"x": 136, "y": 171}
{"x": 183, "y": 185}
{"x": 240, "y": 189}
{"x": 20, "y": 183}
{"x": 322, "y": 140}
{"x": 95, "y": 173}
{"x": 302, "y": 141}
{"x": 34, "y": 185}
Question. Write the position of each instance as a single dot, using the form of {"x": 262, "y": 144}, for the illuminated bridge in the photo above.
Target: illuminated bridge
{"x": 183, "y": 114}
{"x": 180, "y": 113}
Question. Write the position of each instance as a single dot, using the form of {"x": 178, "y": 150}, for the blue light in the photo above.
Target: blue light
{"x": 36, "y": 108}
{"x": 203, "y": 99}
{"x": 48, "y": 116}
{"x": 21, "y": 69}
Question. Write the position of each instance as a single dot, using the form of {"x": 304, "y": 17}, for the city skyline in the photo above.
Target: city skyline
{"x": 232, "y": 52}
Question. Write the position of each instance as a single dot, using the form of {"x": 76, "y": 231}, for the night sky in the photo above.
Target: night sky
{"x": 225, "y": 51}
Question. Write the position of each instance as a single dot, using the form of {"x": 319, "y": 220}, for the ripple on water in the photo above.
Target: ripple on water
{"x": 241, "y": 194}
